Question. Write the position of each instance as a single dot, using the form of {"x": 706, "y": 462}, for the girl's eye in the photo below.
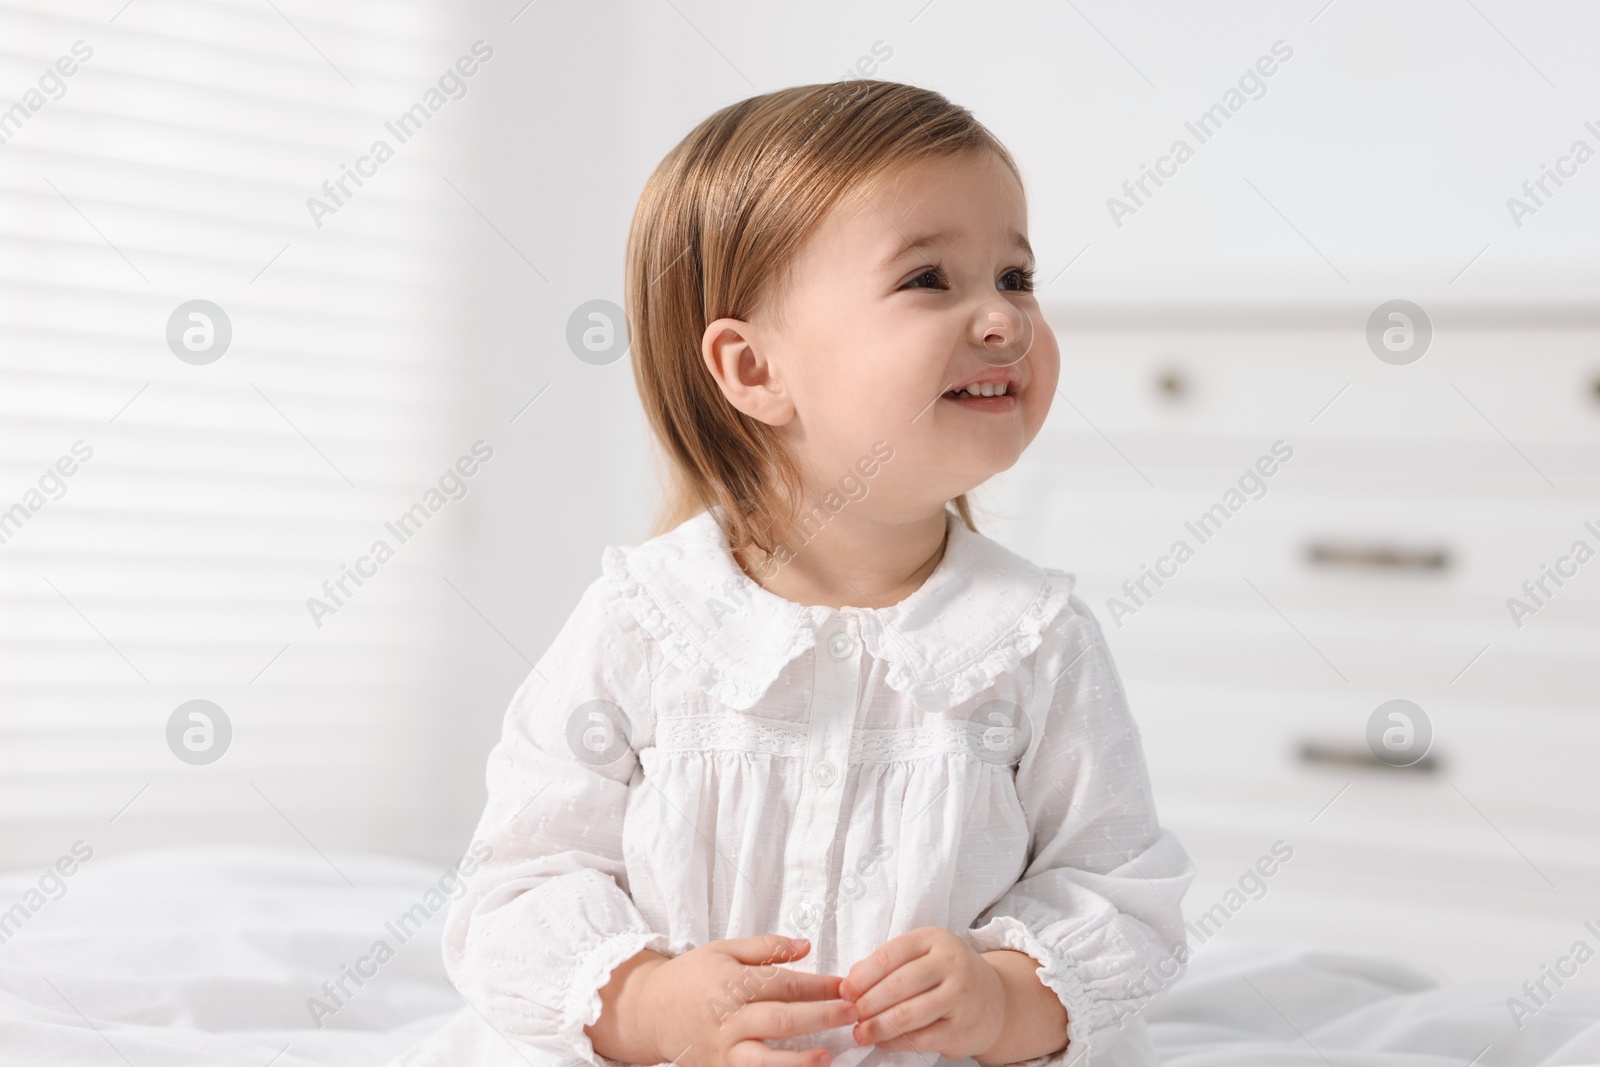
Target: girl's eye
{"x": 1017, "y": 279}
{"x": 1022, "y": 278}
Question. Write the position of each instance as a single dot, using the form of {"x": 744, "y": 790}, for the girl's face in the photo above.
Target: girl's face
{"x": 880, "y": 323}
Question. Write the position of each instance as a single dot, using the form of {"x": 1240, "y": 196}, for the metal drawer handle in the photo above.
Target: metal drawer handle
{"x": 1319, "y": 752}
{"x": 1377, "y": 556}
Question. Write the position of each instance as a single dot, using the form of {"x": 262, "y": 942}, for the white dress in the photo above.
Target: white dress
{"x": 696, "y": 758}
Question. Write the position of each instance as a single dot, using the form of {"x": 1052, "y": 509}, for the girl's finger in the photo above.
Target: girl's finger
{"x": 759, "y": 1054}
{"x": 787, "y": 984}
{"x": 907, "y": 1018}
{"x": 764, "y": 948}
{"x": 926, "y": 1040}
{"x": 889, "y": 956}
{"x": 903, "y": 983}
{"x": 761, "y": 1020}
{"x": 773, "y": 982}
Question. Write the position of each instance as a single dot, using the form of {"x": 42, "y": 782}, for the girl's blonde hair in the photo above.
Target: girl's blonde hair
{"x": 716, "y": 232}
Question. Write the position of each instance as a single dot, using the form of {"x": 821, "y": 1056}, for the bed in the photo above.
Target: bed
{"x": 221, "y": 957}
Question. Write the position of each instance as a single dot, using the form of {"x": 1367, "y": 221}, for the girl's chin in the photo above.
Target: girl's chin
{"x": 978, "y": 469}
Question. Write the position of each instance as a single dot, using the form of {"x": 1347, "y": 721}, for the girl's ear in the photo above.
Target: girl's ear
{"x": 749, "y": 381}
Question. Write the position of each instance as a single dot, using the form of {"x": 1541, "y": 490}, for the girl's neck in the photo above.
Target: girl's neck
{"x": 852, "y": 561}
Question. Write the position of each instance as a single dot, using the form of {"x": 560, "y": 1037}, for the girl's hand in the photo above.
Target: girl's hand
{"x": 927, "y": 991}
{"x": 715, "y": 1005}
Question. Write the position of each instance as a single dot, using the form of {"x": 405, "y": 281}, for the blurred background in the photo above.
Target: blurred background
{"x": 387, "y": 347}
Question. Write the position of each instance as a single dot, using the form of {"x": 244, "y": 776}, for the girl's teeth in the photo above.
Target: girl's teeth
{"x": 985, "y": 389}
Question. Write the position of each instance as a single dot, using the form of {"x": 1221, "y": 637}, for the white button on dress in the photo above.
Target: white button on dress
{"x": 829, "y": 773}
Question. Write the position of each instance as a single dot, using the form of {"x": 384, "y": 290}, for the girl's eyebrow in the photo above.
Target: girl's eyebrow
{"x": 911, "y": 244}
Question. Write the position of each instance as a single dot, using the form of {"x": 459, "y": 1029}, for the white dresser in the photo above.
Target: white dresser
{"x": 1375, "y": 563}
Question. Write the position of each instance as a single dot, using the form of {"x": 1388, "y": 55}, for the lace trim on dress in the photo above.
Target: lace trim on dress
{"x": 943, "y": 691}
{"x": 736, "y": 691}
{"x": 740, "y": 682}
{"x": 741, "y": 733}
{"x": 737, "y": 733}
{"x": 892, "y": 746}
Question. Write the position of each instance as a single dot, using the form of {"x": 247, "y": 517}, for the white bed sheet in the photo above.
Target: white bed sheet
{"x": 188, "y": 958}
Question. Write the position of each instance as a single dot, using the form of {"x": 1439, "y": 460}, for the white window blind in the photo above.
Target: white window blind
{"x": 209, "y": 500}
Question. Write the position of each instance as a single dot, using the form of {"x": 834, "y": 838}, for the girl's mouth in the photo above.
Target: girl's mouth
{"x": 991, "y": 396}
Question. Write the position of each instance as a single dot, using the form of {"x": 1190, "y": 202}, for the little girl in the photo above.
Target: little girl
{"x": 819, "y": 773}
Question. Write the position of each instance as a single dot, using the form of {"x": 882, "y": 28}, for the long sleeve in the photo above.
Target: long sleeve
{"x": 548, "y": 917}
{"x": 1099, "y": 902}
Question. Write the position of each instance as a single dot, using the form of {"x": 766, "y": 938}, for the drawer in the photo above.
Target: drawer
{"x": 1390, "y": 537}
{"x": 1473, "y": 384}
{"x": 1235, "y": 746}
{"x": 1254, "y": 605}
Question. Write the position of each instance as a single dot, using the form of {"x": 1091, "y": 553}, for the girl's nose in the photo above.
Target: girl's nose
{"x": 1001, "y": 333}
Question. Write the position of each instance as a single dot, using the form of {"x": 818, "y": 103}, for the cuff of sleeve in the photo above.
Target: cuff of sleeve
{"x": 581, "y": 1006}
{"x": 1057, "y": 972}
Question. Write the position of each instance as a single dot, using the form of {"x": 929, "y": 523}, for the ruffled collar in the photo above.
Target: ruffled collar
{"x": 982, "y": 610}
